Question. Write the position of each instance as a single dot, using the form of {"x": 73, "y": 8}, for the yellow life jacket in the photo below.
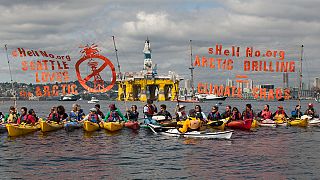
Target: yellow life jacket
{"x": 190, "y": 123}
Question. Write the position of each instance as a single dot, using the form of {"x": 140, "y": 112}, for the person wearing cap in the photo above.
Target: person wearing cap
{"x": 93, "y": 116}
{"x": 114, "y": 114}
{"x": 214, "y": 115}
{"x": 164, "y": 112}
{"x": 248, "y": 113}
{"x": 192, "y": 123}
{"x": 180, "y": 113}
{"x": 310, "y": 111}
{"x": 149, "y": 110}
{"x": 227, "y": 113}
{"x": 296, "y": 113}
{"x": 280, "y": 114}
{"x": 97, "y": 106}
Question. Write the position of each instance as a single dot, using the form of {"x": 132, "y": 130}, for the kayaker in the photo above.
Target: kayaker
{"x": 191, "y": 123}
{"x": 214, "y": 115}
{"x": 97, "y": 106}
{"x": 296, "y": 113}
{"x": 25, "y": 117}
{"x": 236, "y": 115}
{"x": 280, "y": 114}
{"x": 248, "y": 113}
{"x": 310, "y": 111}
{"x": 53, "y": 115}
{"x": 199, "y": 113}
{"x": 227, "y": 113}
{"x": 265, "y": 113}
{"x": 33, "y": 113}
{"x": 149, "y": 110}
{"x": 132, "y": 114}
{"x": 76, "y": 113}
{"x": 93, "y": 116}
{"x": 13, "y": 116}
{"x": 181, "y": 113}
{"x": 61, "y": 113}
{"x": 164, "y": 112}
{"x": 114, "y": 114}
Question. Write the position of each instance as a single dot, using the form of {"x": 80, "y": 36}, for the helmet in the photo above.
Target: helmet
{"x": 310, "y": 105}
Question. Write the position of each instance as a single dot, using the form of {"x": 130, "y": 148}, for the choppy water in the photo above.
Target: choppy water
{"x": 278, "y": 153}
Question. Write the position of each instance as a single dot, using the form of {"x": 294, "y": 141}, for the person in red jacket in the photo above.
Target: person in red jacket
{"x": 26, "y": 118}
{"x": 265, "y": 113}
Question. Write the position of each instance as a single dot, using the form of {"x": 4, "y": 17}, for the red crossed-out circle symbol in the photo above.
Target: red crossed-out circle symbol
{"x": 106, "y": 63}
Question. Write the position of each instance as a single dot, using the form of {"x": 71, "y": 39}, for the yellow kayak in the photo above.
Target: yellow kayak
{"x": 299, "y": 122}
{"x": 113, "y": 126}
{"x": 280, "y": 122}
{"x": 50, "y": 126}
{"x": 90, "y": 126}
{"x": 21, "y": 129}
{"x": 254, "y": 124}
{"x": 217, "y": 124}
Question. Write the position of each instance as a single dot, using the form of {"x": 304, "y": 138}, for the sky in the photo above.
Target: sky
{"x": 62, "y": 26}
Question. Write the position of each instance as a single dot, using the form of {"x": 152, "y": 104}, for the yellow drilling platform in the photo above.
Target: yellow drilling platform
{"x": 147, "y": 84}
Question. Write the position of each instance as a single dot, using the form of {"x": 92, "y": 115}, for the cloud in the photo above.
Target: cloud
{"x": 63, "y": 26}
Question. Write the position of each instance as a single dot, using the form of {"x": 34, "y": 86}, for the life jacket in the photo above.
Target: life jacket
{"x": 114, "y": 116}
{"x": 236, "y": 116}
{"x": 151, "y": 110}
{"x": 248, "y": 115}
{"x": 53, "y": 117}
{"x": 93, "y": 118}
{"x": 279, "y": 115}
{"x": 199, "y": 115}
{"x": 76, "y": 115}
{"x": 214, "y": 116}
{"x": 24, "y": 119}
{"x": 266, "y": 114}
{"x": 13, "y": 118}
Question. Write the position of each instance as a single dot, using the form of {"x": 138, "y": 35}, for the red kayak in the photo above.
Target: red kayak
{"x": 240, "y": 124}
{"x": 132, "y": 125}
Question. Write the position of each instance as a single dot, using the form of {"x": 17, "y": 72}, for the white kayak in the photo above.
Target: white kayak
{"x": 268, "y": 123}
{"x": 158, "y": 118}
{"x": 314, "y": 122}
{"x": 192, "y": 134}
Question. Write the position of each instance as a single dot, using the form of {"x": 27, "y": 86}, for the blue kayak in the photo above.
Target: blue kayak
{"x": 71, "y": 126}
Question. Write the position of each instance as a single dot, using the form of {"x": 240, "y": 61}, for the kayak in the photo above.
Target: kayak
{"x": 113, "y": 126}
{"x": 268, "y": 123}
{"x": 21, "y": 129}
{"x": 192, "y": 134}
{"x": 132, "y": 125}
{"x": 90, "y": 126}
{"x": 314, "y": 122}
{"x": 50, "y": 126}
{"x": 217, "y": 124}
{"x": 71, "y": 126}
{"x": 254, "y": 124}
{"x": 199, "y": 134}
{"x": 240, "y": 124}
{"x": 281, "y": 122}
{"x": 299, "y": 122}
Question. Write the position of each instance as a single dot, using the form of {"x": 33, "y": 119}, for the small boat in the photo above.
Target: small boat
{"x": 21, "y": 129}
{"x": 281, "y": 99}
{"x": 69, "y": 97}
{"x": 298, "y": 122}
{"x": 113, "y": 126}
{"x": 93, "y": 100}
{"x": 240, "y": 124}
{"x": 90, "y": 126}
{"x": 132, "y": 125}
{"x": 50, "y": 126}
{"x": 211, "y": 97}
{"x": 71, "y": 126}
{"x": 194, "y": 134}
